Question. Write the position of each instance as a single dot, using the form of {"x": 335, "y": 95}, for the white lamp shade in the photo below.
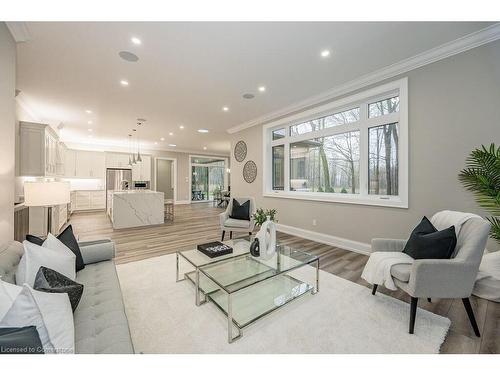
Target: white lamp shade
{"x": 51, "y": 193}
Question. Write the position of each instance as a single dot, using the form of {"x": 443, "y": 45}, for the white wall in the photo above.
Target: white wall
{"x": 454, "y": 107}
{"x": 7, "y": 129}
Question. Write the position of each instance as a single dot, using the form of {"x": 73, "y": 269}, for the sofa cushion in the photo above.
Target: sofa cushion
{"x": 10, "y": 256}
{"x": 401, "y": 272}
{"x": 235, "y": 223}
{"x": 101, "y": 325}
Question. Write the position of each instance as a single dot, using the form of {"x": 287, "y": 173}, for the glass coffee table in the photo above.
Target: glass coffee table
{"x": 245, "y": 288}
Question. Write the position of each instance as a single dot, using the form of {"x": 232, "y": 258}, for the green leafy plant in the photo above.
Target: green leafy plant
{"x": 260, "y": 215}
{"x": 482, "y": 177}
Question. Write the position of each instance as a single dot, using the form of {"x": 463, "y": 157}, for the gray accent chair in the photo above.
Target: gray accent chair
{"x": 235, "y": 225}
{"x": 441, "y": 278}
{"x": 101, "y": 325}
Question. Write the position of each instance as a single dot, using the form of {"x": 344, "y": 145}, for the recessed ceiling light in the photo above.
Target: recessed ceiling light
{"x": 162, "y": 139}
{"x": 181, "y": 127}
{"x": 225, "y": 109}
{"x": 123, "y": 82}
{"x": 204, "y": 147}
{"x": 89, "y": 122}
{"x": 170, "y": 133}
{"x": 88, "y": 111}
{"x": 325, "y": 53}
{"x": 262, "y": 88}
{"x": 89, "y": 129}
{"x": 90, "y": 136}
{"x": 136, "y": 40}
{"x": 156, "y": 143}
{"x": 202, "y": 130}
{"x": 172, "y": 145}
{"x": 248, "y": 96}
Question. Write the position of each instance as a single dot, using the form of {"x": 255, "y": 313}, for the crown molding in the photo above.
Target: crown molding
{"x": 19, "y": 31}
{"x": 465, "y": 43}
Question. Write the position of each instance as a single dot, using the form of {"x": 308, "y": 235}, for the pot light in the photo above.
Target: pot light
{"x": 172, "y": 145}
{"x": 202, "y": 130}
{"x": 156, "y": 143}
{"x": 170, "y": 133}
{"x": 162, "y": 139}
{"x": 181, "y": 127}
{"x": 90, "y": 136}
{"x": 89, "y": 122}
{"x": 89, "y": 129}
{"x": 225, "y": 109}
{"x": 262, "y": 88}
{"x": 88, "y": 111}
{"x": 204, "y": 147}
{"x": 325, "y": 53}
{"x": 123, "y": 82}
{"x": 136, "y": 40}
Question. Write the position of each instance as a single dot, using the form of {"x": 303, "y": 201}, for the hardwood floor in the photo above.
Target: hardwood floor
{"x": 200, "y": 222}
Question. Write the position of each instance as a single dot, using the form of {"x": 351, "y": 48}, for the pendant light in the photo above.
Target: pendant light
{"x": 139, "y": 159}
{"x": 129, "y": 150}
{"x": 134, "y": 161}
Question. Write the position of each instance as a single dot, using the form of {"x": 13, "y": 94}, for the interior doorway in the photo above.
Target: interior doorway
{"x": 166, "y": 177}
{"x": 208, "y": 177}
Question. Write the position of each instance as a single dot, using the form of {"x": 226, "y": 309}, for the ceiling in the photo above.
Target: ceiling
{"x": 187, "y": 72}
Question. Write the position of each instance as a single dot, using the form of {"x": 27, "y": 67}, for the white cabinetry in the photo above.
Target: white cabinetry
{"x": 70, "y": 163}
{"x": 117, "y": 160}
{"x": 40, "y": 150}
{"x": 84, "y": 164}
{"x": 142, "y": 171}
{"x": 88, "y": 200}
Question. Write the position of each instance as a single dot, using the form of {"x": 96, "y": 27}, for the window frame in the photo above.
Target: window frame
{"x": 363, "y": 100}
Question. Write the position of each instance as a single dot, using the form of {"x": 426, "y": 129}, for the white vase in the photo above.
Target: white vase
{"x": 266, "y": 238}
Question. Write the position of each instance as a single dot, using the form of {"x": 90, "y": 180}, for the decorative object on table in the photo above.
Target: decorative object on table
{"x": 235, "y": 225}
{"x": 264, "y": 244}
{"x": 240, "y": 151}
{"x": 215, "y": 249}
{"x": 250, "y": 171}
{"x": 50, "y": 281}
{"x": 68, "y": 239}
{"x": 261, "y": 215}
{"x": 46, "y": 194}
{"x": 481, "y": 176}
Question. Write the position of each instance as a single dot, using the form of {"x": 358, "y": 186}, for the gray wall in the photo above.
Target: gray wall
{"x": 454, "y": 106}
{"x": 164, "y": 181}
{"x": 7, "y": 128}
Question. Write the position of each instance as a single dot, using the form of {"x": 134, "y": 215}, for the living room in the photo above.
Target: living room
{"x": 297, "y": 187}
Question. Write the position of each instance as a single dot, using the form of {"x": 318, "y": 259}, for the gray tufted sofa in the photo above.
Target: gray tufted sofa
{"x": 101, "y": 325}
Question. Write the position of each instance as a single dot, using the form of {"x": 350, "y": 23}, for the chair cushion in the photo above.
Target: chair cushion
{"x": 101, "y": 325}
{"x": 401, "y": 272}
{"x": 240, "y": 211}
{"x": 235, "y": 223}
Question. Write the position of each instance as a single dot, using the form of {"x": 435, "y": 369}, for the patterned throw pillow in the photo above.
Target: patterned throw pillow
{"x": 51, "y": 281}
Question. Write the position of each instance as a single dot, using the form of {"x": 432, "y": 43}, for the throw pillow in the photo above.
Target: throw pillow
{"x": 240, "y": 211}
{"x": 50, "y": 313}
{"x": 36, "y": 256}
{"x": 51, "y": 281}
{"x": 68, "y": 238}
{"x": 20, "y": 340}
{"x": 426, "y": 242}
{"x": 8, "y": 293}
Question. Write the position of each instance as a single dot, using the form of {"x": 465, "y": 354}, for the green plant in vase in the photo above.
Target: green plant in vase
{"x": 261, "y": 215}
{"x": 482, "y": 177}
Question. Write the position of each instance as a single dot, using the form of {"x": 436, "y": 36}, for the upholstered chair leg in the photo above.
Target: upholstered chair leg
{"x": 374, "y": 290}
{"x": 249, "y": 233}
{"x": 470, "y": 313}
{"x": 413, "y": 313}
{"x": 429, "y": 300}
{"x": 231, "y": 235}
{"x": 223, "y": 233}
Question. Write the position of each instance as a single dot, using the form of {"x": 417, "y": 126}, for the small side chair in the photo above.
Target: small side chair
{"x": 235, "y": 225}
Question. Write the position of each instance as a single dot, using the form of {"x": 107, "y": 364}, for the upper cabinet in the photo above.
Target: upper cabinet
{"x": 142, "y": 171}
{"x": 117, "y": 160}
{"x": 40, "y": 150}
{"x": 84, "y": 164}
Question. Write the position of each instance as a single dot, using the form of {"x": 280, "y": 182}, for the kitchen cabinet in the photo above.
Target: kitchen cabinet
{"x": 70, "y": 163}
{"x": 82, "y": 200}
{"x": 117, "y": 160}
{"x": 87, "y": 164}
{"x": 40, "y": 150}
{"x": 142, "y": 171}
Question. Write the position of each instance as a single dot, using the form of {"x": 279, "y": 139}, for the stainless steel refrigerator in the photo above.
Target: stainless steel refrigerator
{"x": 117, "y": 179}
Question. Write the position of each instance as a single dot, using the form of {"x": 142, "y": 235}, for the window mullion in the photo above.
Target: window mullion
{"x": 363, "y": 149}
{"x": 287, "y": 167}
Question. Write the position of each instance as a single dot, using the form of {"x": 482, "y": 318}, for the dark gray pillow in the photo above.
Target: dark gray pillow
{"x": 50, "y": 281}
{"x": 20, "y": 340}
{"x": 426, "y": 242}
{"x": 67, "y": 238}
{"x": 240, "y": 211}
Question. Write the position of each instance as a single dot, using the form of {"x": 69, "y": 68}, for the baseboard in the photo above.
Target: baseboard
{"x": 344, "y": 243}
{"x": 183, "y": 202}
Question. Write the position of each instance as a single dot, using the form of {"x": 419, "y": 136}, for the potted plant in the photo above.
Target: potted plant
{"x": 261, "y": 215}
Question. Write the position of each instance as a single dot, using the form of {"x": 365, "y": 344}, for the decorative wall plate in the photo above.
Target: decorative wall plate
{"x": 240, "y": 151}
{"x": 250, "y": 171}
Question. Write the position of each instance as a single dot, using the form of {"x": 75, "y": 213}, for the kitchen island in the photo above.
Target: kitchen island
{"x": 136, "y": 208}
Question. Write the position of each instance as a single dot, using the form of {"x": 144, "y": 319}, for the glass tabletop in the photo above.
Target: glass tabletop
{"x": 197, "y": 258}
{"x": 239, "y": 272}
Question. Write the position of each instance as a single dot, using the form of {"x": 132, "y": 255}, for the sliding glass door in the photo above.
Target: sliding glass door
{"x": 208, "y": 176}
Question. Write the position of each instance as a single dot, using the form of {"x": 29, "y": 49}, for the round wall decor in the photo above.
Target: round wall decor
{"x": 250, "y": 171}
{"x": 240, "y": 151}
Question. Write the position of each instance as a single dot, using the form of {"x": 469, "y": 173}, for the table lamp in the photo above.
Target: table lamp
{"x": 46, "y": 194}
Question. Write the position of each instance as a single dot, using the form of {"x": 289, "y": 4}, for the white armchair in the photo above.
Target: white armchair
{"x": 235, "y": 225}
{"x": 441, "y": 278}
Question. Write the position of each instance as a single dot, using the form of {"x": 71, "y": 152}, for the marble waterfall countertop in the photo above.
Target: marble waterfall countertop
{"x": 137, "y": 208}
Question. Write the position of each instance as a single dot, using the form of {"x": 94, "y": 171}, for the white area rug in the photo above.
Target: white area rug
{"x": 342, "y": 318}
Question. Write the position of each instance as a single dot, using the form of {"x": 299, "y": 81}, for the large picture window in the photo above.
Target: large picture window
{"x": 353, "y": 150}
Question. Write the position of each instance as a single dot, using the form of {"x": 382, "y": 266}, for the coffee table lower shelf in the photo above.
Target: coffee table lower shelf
{"x": 248, "y": 305}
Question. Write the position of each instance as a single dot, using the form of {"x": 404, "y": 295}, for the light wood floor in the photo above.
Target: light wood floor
{"x": 199, "y": 222}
